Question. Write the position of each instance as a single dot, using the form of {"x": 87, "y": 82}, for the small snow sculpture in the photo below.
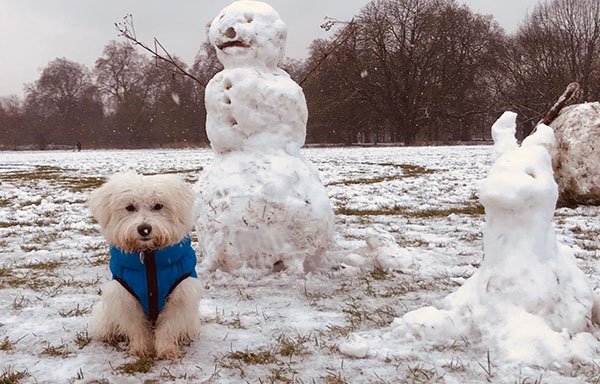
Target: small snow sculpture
{"x": 380, "y": 251}
{"x": 577, "y": 156}
{"x": 261, "y": 204}
{"x": 528, "y": 302}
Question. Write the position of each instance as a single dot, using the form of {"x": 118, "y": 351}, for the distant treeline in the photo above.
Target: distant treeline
{"x": 401, "y": 71}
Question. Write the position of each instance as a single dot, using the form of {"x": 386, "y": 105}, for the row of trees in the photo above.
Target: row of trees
{"x": 400, "y": 71}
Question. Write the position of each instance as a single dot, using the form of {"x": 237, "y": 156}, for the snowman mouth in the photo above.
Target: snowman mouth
{"x": 235, "y": 43}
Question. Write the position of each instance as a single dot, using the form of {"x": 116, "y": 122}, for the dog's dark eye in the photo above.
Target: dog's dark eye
{"x": 130, "y": 208}
{"x": 157, "y": 207}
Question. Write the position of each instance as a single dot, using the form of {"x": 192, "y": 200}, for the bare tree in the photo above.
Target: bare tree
{"x": 12, "y": 127}
{"x": 557, "y": 44}
{"x": 126, "y": 79}
{"x": 62, "y": 105}
{"x": 411, "y": 69}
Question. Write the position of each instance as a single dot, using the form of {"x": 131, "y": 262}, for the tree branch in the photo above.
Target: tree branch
{"x": 567, "y": 96}
{"x": 127, "y": 30}
{"x": 342, "y": 38}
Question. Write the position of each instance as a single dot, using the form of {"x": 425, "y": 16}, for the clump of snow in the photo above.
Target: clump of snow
{"x": 576, "y": 157}
{"x": 503, "y": 133}
{"x": 380, "y": 251}
{"x": 528, "y": 302}
{"x": 262, "y": 205}
{"x": 354, "y": 346}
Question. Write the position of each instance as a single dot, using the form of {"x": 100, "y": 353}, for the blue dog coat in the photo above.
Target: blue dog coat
{"x": 150, "y": 276}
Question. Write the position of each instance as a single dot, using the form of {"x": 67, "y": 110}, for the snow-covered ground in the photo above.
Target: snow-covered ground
{"x": 280, "y": 328}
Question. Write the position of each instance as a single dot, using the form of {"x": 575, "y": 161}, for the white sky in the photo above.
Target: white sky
{"x": 34, "y": 32}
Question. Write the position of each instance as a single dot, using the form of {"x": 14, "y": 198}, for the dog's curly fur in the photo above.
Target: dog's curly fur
{"x": 164, "y": 203}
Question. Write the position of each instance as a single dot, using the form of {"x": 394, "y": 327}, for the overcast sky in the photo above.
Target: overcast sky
{"x": 34, "y": 32}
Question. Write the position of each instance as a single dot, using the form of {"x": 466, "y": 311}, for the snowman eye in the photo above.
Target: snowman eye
{"x": 249, "y": 20}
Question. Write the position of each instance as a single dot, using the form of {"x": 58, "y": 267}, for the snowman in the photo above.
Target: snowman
{"x": 529, "y": 301}
{"x": 261, "y": 205}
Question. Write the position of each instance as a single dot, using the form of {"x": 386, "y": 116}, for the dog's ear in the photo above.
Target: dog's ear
{"x": 98, "y": 203}
{"x": 180, "y": 193}
{"x": 100, "y": 200}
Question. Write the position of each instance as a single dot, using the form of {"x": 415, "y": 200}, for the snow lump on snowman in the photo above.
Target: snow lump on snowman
{"x": 261, "y": 205}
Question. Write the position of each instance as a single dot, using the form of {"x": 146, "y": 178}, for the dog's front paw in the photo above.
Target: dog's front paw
{"x": 141, "y": 348}
{"x": 168, "y": 353}
{"x": 140, "y": 351}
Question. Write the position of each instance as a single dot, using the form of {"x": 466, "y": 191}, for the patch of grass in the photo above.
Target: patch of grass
{"x": 7, "y": 344}
{"x": 29, "y": 203}
{"x": 357, "y": 314}
{"x": 82, "y": 183}
{"x": 9, "y": 376}
{"x": 30, "y": 247}
{"x": 252, "y": 358}
{"x": 141, "y": 365}
{"x": 419, "y": 374}
{"x": 49, "y": 265}
{"x": 20, "y": 302}
{"x": 589, "y": 372}
{"x": 334, "y": 378}
{"x": 589, "y": 245}
{"x": 177, "y": 171}
{"x": 396, "y": 210}
{"x": 469, "y": 210}
{"x": 36, "y": 281}
{"x": 408, "y": 170}
{"x": 455, "y": 365}
{"x": 82, "y": 339}
{"x": 292, "y": 347}
{"x": 412, "y": 170}
{"x": 379, "y": 273}
{"x": 75, "y": 312}
{"x": 55, "y": 350}
{"x": 54, "y": 175}
{"x": 11, "y": 280}
{"x": 235, "y": 323}
{"x": 5, "y": 271}
{"x": 39, "y": 172}
{"x": 366, "y": 180}
{"x": 100, "y": 260}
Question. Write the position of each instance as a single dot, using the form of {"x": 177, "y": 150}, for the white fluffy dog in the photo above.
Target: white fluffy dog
{"x": 154, "y": 295}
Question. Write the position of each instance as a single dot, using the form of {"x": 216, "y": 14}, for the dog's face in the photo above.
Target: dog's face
{"x": 138, "y": 212}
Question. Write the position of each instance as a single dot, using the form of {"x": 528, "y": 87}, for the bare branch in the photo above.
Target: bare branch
{"x": 335, "y": 44}
{"x": 127, "y": 30}
{"x": 567, "y": 96}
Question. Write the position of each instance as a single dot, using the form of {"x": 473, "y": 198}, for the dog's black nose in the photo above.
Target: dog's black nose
{"x": 144, "y": 229}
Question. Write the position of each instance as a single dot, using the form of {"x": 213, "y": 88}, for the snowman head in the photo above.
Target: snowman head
{"x": 248, "y": 33}
{"x": 521, "y": 181}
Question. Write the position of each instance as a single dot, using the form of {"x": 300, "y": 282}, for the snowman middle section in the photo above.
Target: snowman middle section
{"x": 253, "y": 108}
{"x": 265, "y": 211}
